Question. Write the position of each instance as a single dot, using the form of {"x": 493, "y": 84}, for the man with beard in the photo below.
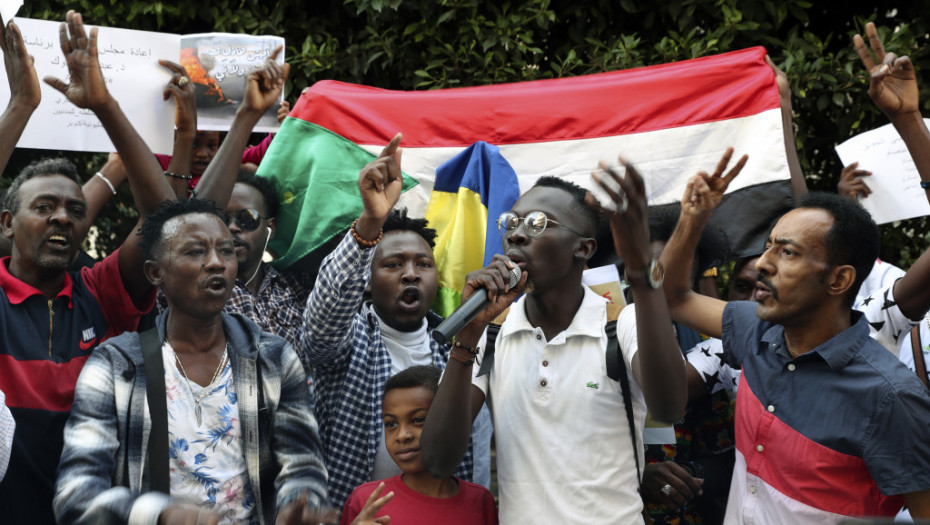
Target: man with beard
{"x": 568, "y": 444}
{"x": 354, "y": 350}
{"x": 51, "y": 319}
{"x": 828, "y": 422}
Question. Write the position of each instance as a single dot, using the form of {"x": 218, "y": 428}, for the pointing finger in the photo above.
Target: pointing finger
{"x": 392, "y": 146}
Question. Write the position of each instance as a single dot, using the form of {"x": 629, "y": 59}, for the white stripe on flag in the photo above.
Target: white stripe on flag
{"x": 666, "y": 158}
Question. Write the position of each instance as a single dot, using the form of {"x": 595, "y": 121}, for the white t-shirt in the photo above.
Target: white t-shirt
{"x": 406, "y": 349}
{"x": 564, "y": 453}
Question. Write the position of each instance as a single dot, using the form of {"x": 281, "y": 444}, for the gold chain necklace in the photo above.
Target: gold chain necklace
{"x": 206, "y": 389}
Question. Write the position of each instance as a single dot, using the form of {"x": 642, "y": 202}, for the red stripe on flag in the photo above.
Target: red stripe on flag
{"x": 43, "y": 385}
{"x": 707, "y": 89}
{"x": 802, "y": 469}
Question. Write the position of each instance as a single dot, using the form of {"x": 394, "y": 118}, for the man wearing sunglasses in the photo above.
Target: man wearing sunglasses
{"x": 565, "y": 445}
{"x": 275, "y": 300}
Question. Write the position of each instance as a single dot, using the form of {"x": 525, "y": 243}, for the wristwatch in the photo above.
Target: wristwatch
{"x": 652, "y": 275}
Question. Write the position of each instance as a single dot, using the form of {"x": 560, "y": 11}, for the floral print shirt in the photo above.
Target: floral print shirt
{"x": 206, "y": 460}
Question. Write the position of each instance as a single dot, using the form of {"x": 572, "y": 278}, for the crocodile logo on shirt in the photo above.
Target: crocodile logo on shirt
{"x": 593, "y": 385}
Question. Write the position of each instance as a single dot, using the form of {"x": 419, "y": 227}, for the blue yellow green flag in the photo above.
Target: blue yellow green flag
{"x": 471, "y": 190}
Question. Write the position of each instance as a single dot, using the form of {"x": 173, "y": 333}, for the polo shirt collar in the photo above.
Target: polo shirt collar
{"x": 837, "y": 351}
{"x": 583, "y": 324}
{"x": 18, "y": 291}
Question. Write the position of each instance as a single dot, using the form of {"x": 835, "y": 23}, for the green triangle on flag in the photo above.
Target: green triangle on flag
{"x": 315, "y": 173}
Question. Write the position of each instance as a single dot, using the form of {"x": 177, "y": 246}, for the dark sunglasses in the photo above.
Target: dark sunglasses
{"x": 248, "y": 219}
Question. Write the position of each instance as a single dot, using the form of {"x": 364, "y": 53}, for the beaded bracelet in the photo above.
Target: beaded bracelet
{"x": 106, "y": 180}
{"x": 470, "y": 349}
{"x": 178, "y": 175}
{"x": 362, "y": 242}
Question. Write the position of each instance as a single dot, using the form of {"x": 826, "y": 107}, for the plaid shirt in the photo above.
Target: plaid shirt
{"x": 103, "y": 471}
{"x": 279, "y": 306}
{"x": 7, "y": 426}
{"x": 350, "y": 365}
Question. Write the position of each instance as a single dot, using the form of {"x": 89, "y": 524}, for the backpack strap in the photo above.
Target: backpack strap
{"x": 494, "y": 328}
{"x": 919, "y": 365}
{"x": 487, "y": 361}
{"x": 616, "y": 370}
{"x": 159, "y": 480}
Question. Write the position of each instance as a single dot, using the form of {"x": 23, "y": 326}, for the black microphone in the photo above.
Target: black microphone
{"x": 470, "y": 309}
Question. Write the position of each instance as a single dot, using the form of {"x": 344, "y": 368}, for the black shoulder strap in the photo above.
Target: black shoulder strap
{"x": 919, "y": 365}
{"x": 158, "y": 411}
{"x": 616, "y": 370}
{"x": 487, "y": 361}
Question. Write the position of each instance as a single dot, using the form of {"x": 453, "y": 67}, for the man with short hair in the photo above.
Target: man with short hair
{"x": 828, "y": 422}
{"x": 569, "y": 448}
{"x": 50, "y": 318}
{"x": 273, "y": 299}
{"x": 354, "y": 351}
{"x": 243, "y": 446}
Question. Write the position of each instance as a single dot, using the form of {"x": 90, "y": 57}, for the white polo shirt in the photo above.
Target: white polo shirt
{"x": 564, "y": 453}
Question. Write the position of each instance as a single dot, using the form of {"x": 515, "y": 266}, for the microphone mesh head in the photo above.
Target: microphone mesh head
{"x": 515, "y": 274}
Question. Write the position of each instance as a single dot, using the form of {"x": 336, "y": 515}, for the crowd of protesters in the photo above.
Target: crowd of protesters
{"x": 183, "y": 379}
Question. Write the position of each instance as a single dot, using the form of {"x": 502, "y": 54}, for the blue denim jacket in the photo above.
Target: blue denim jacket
{"x": 103, "y": 474}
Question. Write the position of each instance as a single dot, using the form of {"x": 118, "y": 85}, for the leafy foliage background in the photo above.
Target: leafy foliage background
{"x": 428, "y": 44}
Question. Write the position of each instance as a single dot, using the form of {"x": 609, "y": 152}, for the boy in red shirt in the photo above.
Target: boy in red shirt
{"x": 415, "y": 496}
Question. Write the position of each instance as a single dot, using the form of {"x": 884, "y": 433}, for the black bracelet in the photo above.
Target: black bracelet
{"x": 178, "y": 175}
{"x": 925, "y": 184}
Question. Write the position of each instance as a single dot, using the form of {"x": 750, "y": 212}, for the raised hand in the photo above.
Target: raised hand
{"x": 781, "y": 80}
{"x": 185, "y": 97}
{"x": 283, "y": 109}
{"x": 380, "y": 182}
{"x": 851, "y": 184}
{"x": 704, "y": 192}
{"x": 264, "y": 85}
{"x": 893, "y": 82}
{"x": 372, "y": 506}
{"x": 87, "y": 87}
{"x": 20, "y": 68}
{"x": 629, "y": 222}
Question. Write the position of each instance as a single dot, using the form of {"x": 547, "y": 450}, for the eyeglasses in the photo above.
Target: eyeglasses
{"x": 534, "y": 224}
{"x": 248, "y": 219}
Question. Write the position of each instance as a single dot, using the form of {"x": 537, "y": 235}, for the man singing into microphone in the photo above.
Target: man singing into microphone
{"x": 353, "y": 350}
{"x": 567, "y": 451}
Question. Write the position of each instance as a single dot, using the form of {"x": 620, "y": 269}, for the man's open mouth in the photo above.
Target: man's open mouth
{"x": 217, "y": 284}
{"x": 59, "y": 240}
{"x": 411, "y": 297}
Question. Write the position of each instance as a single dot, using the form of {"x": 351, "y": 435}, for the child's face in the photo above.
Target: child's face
{"x": 404, "y": 412}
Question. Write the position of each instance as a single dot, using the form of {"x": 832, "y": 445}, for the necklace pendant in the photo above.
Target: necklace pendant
{"x": 198, "y": 414}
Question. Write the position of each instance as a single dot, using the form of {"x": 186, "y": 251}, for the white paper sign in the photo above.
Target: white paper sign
{"x": 8, "y": 9}
{"x": 129, "y": 60}
{"x": 218, "y": 63}
{"x": 896, "y": 192}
